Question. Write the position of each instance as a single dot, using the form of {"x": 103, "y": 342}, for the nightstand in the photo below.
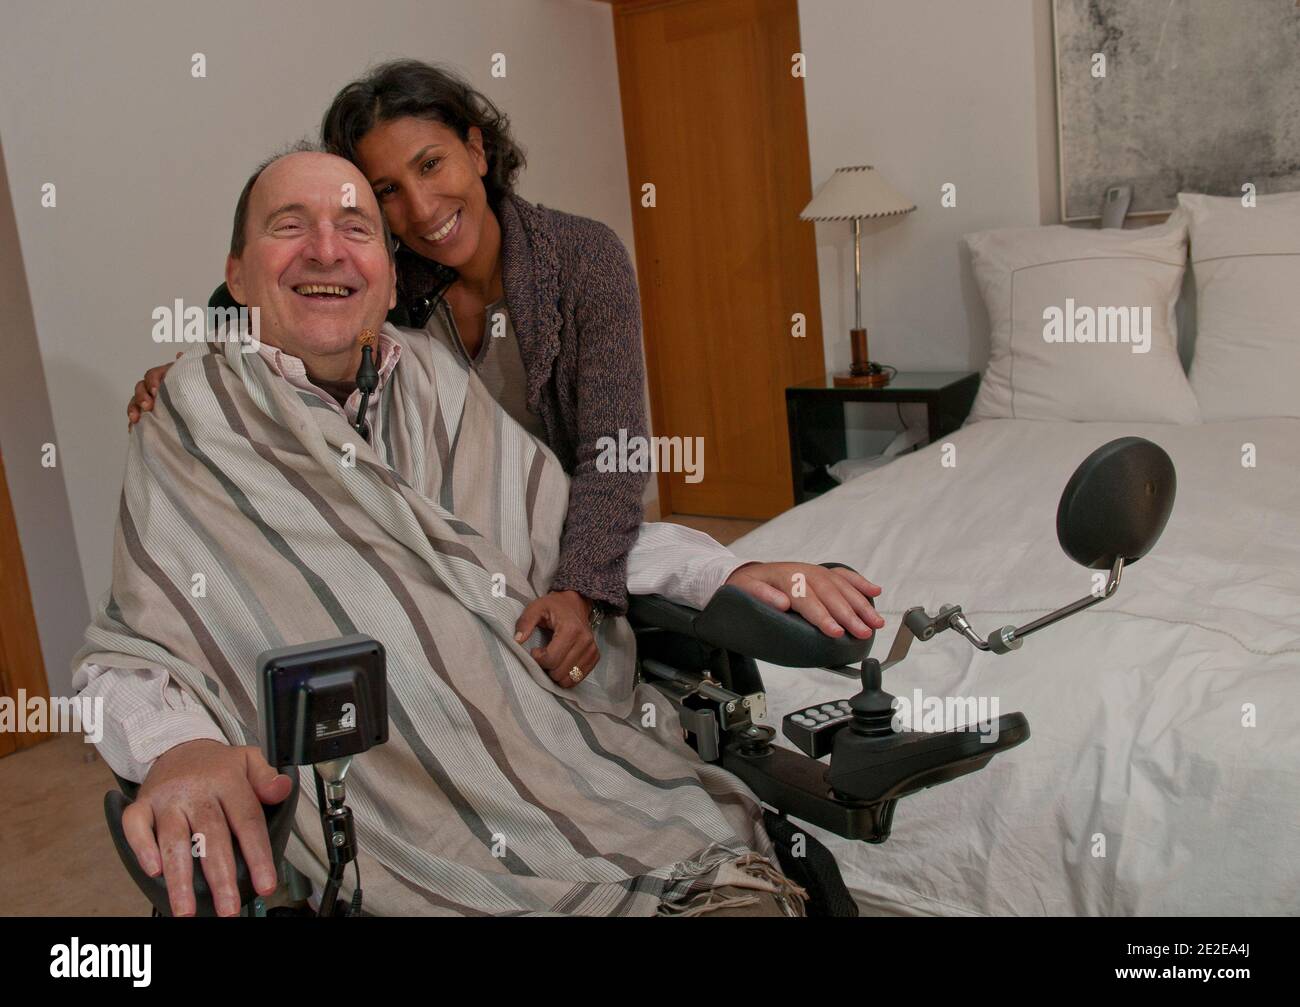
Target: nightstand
{"x": 815, "y": 412}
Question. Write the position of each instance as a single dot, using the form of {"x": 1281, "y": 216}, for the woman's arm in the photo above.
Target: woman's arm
{"x": 605, "y": 508}
{"x": 688, "y": 566}
{"x": 682, "y": 564}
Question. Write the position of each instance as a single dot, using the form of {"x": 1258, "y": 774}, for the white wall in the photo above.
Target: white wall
{"x": 36, "y": 488}
{"x": 928, "y": 91}
{"x": 148, "y": 162}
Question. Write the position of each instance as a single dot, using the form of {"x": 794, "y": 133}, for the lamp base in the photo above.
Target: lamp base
{"x": 861, "y": 380}
{"x": 865, "y": 372}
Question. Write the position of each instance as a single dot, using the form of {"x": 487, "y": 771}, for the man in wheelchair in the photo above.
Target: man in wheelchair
{"x": 261, "y": 510}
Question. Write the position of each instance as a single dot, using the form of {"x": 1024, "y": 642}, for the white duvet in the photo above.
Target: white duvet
{"x": 1142, "y": 789}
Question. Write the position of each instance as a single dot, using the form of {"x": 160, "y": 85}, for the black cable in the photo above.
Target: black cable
{"x": 329, "y": 894}
{"x": 355, "y": 910}
{"x": 898, "y": 406}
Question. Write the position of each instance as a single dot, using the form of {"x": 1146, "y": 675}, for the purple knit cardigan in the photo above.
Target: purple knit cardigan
{"x": 572, "y": 296}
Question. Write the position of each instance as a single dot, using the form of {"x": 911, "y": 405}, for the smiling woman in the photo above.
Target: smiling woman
{"x": 543, "y": 305}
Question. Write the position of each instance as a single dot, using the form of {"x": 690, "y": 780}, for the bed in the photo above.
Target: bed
{"x": 1163, "y": 771}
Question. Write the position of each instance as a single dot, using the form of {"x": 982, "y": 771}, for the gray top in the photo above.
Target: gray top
{"x": 499, "y": 364}
{"x": 572, "y": 295}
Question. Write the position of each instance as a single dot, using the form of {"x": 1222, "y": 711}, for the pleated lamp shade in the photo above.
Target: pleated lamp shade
{"x": 856, "y": 192}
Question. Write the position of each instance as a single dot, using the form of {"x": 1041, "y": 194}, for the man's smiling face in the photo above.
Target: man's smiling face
{"x": 315, "y": 266}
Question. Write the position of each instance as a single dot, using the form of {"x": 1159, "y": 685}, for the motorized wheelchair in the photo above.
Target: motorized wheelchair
{"x": 1111, "y": 513}
{"x": 705, "y": 663}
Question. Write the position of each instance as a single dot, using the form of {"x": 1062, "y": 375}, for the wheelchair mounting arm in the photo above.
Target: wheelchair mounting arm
{"x": 917, "y": 625}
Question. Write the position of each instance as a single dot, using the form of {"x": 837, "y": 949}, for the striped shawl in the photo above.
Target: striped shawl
{"x": 254, "y": 517}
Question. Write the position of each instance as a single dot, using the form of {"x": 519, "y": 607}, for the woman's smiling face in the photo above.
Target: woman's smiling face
{"x": 429, "y": 183}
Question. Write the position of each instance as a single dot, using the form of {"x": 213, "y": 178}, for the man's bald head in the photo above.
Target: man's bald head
{"x": 238, "y": 233}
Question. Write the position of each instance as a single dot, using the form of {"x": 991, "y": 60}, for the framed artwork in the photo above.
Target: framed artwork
{"x": 1176, "y": 95}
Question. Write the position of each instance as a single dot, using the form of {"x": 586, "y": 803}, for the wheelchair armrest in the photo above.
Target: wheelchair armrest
{"x": 129, "y": 787}
{"x": 737, "y": 622}
{"x": 279, "y": 822}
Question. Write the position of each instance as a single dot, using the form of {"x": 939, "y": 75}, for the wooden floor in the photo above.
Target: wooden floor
{"x": 56, "y": 858}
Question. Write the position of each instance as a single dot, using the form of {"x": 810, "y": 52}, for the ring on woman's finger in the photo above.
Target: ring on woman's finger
{"x": 575, "y": 673}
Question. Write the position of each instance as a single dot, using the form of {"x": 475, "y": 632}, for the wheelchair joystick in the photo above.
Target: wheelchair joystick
{"x": 870, "y": 714}
{"x": 873, "y": 708}
{"x": 875, "y": 762}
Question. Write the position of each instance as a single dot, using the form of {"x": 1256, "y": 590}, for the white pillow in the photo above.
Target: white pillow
{"x": 1246, "y": 265}
{"x": 1047, "y": 289}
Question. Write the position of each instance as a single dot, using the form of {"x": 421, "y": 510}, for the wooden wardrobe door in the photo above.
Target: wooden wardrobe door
{"x": 713, "y": 118}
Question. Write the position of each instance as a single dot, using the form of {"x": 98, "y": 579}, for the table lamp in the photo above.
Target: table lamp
{"x": 853, "y": 193}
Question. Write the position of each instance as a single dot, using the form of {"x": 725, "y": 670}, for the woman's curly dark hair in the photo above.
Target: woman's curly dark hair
{"x": 408, "y": 87}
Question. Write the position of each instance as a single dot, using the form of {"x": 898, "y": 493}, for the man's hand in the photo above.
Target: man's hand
{"x": 146, "y": 389}
{"x": 572, "y": 645}
{"x": 209, "y": 788}
{"x": 832, "y": 599}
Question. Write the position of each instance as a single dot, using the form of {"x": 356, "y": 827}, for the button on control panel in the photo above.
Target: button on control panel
{"x": 813, "y": 730}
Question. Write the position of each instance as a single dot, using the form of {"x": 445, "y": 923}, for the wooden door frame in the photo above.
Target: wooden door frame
{"x": 21, "y": 664}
